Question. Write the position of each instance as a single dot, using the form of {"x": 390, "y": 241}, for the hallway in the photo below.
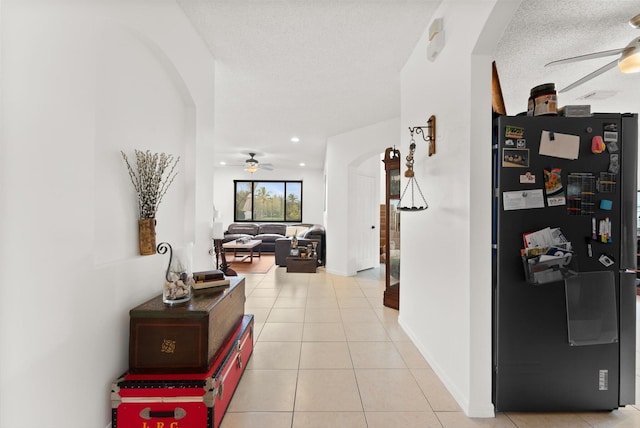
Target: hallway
{"x": 329, "y": 354}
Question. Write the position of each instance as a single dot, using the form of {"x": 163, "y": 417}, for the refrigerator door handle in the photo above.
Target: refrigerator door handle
{"x": 627, "y": 319}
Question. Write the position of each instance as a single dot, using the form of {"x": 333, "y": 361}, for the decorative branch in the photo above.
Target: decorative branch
{"x": 149, "y": 179}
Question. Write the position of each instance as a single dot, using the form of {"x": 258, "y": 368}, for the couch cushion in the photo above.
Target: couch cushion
{"x": 268, "y": 237}
{"x": 272, "y": 228}
{"x": 243, "y": 228}
{"x": 233, "y": 236}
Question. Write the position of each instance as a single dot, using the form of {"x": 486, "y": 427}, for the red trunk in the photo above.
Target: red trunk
{"x": 185, "y": 400}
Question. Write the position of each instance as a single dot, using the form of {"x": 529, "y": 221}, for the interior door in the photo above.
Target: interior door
{"x": 367, "y": 220}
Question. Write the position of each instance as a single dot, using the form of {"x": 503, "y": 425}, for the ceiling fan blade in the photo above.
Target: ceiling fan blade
{"x": 590, "y": 76}
{"x": 587, "y": 56}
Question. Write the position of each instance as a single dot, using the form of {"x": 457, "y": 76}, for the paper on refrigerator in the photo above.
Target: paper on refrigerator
{"x": 546, "y": 237}
{"x": 522, "y": 199}
{"x": 558, "y": 145}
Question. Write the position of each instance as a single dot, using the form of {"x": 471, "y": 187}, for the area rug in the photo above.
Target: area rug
{"x": 260, "y": 264}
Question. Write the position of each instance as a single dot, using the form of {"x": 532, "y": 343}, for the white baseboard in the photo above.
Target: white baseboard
{"x": 484, "y": 410}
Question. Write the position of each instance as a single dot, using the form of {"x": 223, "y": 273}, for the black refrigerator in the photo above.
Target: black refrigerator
{"x": 564, "y": 261}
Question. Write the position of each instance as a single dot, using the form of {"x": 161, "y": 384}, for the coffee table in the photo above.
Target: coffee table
{"x": 248, "y": 246}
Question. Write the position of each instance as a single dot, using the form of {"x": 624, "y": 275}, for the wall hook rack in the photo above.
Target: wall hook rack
{"x": 428, "y": 133}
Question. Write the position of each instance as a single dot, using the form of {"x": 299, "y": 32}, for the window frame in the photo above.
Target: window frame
{"x": 253, "y": 184}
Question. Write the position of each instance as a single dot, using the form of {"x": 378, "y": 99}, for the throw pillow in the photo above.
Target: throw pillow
{"x": 291, "y": 231}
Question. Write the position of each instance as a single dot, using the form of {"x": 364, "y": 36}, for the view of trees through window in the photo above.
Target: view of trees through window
{"x": 266, "y": 201}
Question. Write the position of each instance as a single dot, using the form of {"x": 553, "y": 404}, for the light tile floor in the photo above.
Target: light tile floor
{"x": 328, "y": 354}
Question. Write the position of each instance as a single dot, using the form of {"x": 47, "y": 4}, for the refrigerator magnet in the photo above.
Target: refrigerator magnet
{"x": 606, "y": 260}
{"x": 514, "y": 132}
{"x": 515, "y": 158}
{"x": 521, "y": 143}
{"x": 589, "y": 247}
{"x": 606, "y": 204}
{"x": 597, "y": 145}
{"x": 553, "y": 187}
{"x": 527, "y": 178}
{"x": 610, "y": 132}
{"x": 614, "y": 163}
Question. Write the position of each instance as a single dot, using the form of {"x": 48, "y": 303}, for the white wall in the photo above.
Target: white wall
{"x": 122, "y": 62}
{"x": 312, "y": 190}
{"x": 445, "y": 303}
{"x": 345, "y": 153}
{"x": 81, "y": 81}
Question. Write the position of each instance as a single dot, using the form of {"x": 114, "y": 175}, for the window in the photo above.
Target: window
{"x": 267, "y": 200}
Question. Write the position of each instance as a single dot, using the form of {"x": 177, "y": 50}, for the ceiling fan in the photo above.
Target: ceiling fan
{"x": 252, "y": 165}
{"x": 627, "y": 62}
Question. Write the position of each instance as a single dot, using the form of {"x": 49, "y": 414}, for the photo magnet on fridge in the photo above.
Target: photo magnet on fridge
{"x": 527, "y": 178}
{"x": 614, "y": 163}
{"x": 515, "y": 158}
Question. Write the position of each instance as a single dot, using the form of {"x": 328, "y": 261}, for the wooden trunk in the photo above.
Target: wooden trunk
{"x": 301, "y": 264}
{"x": 184, "y": 338}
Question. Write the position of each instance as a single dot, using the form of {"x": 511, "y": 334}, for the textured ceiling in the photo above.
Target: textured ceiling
{"x": 546, "y": 30}
{"x": 318, "y": 68}
{"x": 306, "y": 68}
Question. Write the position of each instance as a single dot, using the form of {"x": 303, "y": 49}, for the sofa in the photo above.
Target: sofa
{"x": 277, "y": 237}
{"x": 268, "y": 233}
{"x": 306, "y": 234}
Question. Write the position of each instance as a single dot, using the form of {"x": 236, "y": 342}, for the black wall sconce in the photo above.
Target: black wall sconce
{"x": 428, "y": 133}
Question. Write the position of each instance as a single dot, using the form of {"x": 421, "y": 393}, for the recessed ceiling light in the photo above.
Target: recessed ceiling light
{"x": 301, "y": 163}
{"x": 598, "y": 95}
{"x": 295, "y": 139}
{"x": 223, "y": 163}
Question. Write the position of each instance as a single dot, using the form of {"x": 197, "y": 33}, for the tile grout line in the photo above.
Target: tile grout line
{"x": 353, "y": 367}
{"x": 295, "y": 390}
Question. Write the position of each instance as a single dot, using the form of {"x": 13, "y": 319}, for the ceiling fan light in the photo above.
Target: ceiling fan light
{"x": 251, "y": 164}
{"x": 251, "y": 167}
{"x": 629, "y": 62}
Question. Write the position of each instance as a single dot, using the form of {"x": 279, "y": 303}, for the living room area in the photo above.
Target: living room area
{"x": 335, "y": 219}
{"x": 241, "y": 200}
